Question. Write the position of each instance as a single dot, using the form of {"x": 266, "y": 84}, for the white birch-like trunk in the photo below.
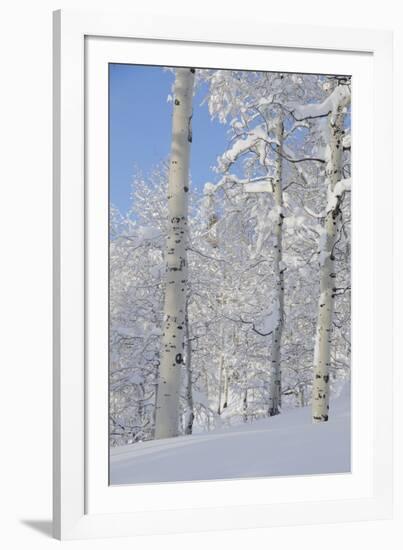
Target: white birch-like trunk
{"x": 334, "y": 157}
{"x": 221, "y": 372}
{"x": 172, "y": 350}
{"x": 302, "y": 397}
{"x": 226, "y": 386}
{"x": 223, "y": 376}
{"x": 189, "y": 417}
{"x": 223, "y": 366}
{"x": 275, "y": 359}
{"x": 245, "y": 406}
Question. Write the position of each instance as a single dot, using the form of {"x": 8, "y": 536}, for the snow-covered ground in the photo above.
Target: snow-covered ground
{"x": 288, "y": 444}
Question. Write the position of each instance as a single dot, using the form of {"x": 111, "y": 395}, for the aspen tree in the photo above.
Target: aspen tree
{"x": 327, "y": 276}
{"x": 174, "y": 313}
{"x": 275, "y": 360}
{"x": 189, "y": 415}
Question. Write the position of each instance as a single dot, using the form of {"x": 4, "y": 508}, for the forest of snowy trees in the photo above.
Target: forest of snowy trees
{"x": 232, "y": 304}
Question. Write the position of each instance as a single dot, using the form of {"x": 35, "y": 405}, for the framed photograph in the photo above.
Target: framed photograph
{"x": 222, "y": 302}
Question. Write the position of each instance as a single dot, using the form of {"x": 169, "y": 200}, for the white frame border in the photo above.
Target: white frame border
{"x": 100, "y": 496}
{"x": 70, "y": 29}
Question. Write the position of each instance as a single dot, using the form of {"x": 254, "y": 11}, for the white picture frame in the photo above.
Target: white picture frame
{"x": 84, "y": 505}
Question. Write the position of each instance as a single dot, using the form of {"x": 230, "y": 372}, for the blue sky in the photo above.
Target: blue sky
{"x": 140, "y": 129}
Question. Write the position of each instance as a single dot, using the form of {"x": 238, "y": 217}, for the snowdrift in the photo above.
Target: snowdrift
{"x": 288, "y": 444}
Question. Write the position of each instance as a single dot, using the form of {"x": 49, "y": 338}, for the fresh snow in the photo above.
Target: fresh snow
{"x": 255, "y": 137}
{"x": 284, "y": 445}
{"x": 347, "y": 141}
{"x": 259, "y": 187}
{"x": 148, "y": 232}
{"x": 339, "y": 97}
{"x": 341, "y": 187}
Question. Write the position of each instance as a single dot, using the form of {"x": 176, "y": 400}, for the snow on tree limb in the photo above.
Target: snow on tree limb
{"x": 336, "y": 193}
{"x": 259, "y": 187}
{"x": 340, "y": 97}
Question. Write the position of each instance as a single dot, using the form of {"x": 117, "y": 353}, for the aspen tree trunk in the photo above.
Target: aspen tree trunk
{"x": 334, "y": 156}
{"x": 189, "y": 386}
{"x": 275, "y": 360}
{"x": 167, "y": 409}
{"x": 302, "y": 397}
{"x": 221, "y": 372}
{"x": 245, "y": 405}
{"x": 207, "y": 390}
{"x": 226, "y": 386}
{"x": 223, "y": 376}
{"x": 223, "y": 367}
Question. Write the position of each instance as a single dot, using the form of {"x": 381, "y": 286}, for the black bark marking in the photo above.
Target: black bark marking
{"x": 190, "y": 129}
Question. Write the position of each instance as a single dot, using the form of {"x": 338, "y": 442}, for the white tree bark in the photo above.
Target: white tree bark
{"x": 334, "y": 157}
{"x": 245, "y": 406}
{"x": 189, "y": 416}
{"x": 275, "y": 360}
{"x": 221, "y": 371}
{"x": 226, "y": 385}
{"x": 172, "y": 350}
